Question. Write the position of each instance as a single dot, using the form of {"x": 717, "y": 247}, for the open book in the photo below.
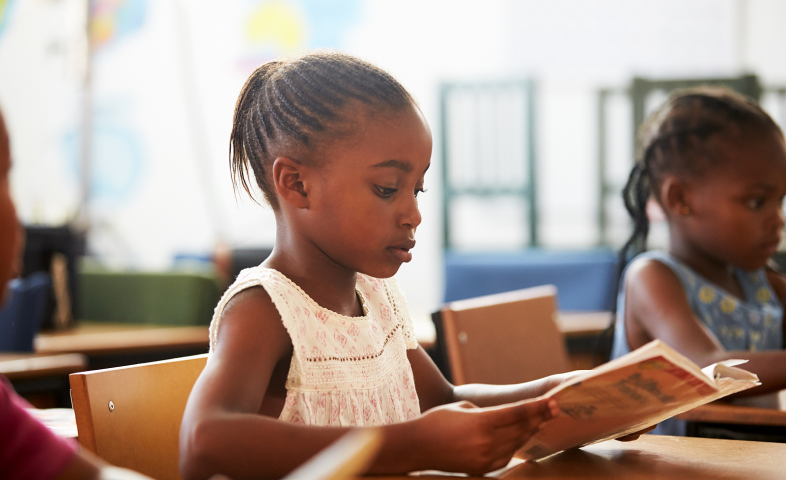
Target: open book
{"x": 631, "y": 393}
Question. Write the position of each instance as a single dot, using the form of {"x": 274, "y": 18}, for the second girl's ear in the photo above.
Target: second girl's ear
{"x": 675, "y": 197}
{"x": 288, "y": 182}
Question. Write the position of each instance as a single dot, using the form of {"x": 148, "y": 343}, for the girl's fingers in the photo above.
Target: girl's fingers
{"x": 533, "y": 412}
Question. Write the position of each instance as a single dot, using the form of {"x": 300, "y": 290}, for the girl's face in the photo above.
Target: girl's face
{"x": 364, "y": 211}
{"x": 9, "y": 226}
{"x": 736, "y": 209}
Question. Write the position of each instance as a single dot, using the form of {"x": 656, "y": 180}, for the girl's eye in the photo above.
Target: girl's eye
{"x": 756, "y": 203}
{"x": 385, "y": 192}
{"x": 420, "y": 190}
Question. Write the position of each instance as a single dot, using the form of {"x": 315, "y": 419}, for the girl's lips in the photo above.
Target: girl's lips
{"x": 402, "y": 254}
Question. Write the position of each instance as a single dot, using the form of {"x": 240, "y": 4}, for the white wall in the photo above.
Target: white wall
{"x": 164, "y": 91}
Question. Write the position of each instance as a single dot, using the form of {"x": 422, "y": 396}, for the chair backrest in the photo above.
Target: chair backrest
{"x": 130, "y": 416}
{"x": 505, "y": 338}
{"x": 344, "y": 459}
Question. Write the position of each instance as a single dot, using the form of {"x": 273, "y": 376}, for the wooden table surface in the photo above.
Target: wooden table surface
{"x": 18, "y": 366}
{"x": 655, "y": 457}
{"x": 583, "y": 324}
{"x": 101, "y": 338}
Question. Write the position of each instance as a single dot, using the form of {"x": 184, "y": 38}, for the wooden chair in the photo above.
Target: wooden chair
{"x": 504, "y": 338}
{"x": 344, "y": 459}
{"x": 130, "y": 416}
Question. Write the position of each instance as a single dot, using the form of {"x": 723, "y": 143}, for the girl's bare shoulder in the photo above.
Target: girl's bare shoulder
{"x": 649, "y": 275}
{"x": 652, "y": 290}
{"x": 250, "y": 320}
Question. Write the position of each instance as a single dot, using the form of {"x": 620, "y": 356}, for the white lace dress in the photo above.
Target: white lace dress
{"x": 345, "y": 371}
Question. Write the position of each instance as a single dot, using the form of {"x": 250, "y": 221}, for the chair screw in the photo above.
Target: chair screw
{"x": 111, "y": 406}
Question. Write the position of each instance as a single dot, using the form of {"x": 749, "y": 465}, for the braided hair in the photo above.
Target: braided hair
{"x": 674, "y": 140}
{"x": 296, "y": 106}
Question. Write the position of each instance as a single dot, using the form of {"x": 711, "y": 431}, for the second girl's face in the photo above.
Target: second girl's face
{"x": 364, "y": 208}
{"x": 737, "y": 208}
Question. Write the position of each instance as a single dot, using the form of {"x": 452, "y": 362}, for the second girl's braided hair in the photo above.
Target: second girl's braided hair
{"x": 674, "y": 140}
{"x": 293, "y": 107}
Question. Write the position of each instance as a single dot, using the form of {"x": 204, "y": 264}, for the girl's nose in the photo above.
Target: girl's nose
{"x": 411, "y": 215}
{"x": 779, "y": 219}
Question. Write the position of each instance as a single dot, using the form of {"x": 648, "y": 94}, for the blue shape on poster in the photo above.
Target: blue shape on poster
{"x": 117, "y": 161}
{"x": 328, "y": 21}
{"x": 6, "y": 7}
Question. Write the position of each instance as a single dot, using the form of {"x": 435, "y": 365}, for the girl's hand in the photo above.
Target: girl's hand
{"x": 460, "y": 437}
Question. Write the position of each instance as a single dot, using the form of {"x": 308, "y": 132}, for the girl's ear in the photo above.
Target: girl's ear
{"x": 675, "y": 197}
{"x": 288, "y": 182}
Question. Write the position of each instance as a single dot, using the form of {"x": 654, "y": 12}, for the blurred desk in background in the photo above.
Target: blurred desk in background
{"x": 42, "y": 379}
{"x": 112, "y": 345}
{"x": 726, "y": 420}
{"x": 25, "y": 366}
{"x": 583, "y": 332}
{"x": 718, "y": 412}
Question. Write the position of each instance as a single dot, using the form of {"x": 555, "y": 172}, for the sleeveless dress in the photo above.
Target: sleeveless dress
{"x": 345, "y": 371}
{"x": 752, "y": 323}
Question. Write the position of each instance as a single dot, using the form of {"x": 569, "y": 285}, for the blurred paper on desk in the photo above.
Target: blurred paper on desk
{"x": 631, "y": 393}
{"x": 60, "y": 420}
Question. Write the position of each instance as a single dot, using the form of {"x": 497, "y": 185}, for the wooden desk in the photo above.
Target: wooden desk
{"x": 655, "y": 457}
{"x": 42, "y": 379}
{"x": 101, "y": 339}
{"x": 583, "y": 324}
{"x": 662, "y": 457}
{"x": 114, "y": 345}
{"x": 23, "y": 366}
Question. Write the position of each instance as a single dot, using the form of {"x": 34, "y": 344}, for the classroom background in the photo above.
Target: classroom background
{"x": 122, "y": 133}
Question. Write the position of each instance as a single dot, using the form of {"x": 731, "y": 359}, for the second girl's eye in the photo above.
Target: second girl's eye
{"x": 420, "y": 190}
{"x": 385, "y": 192}
{"x": 756, "y": 203}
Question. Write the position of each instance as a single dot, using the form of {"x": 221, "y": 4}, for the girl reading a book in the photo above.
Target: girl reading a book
{"x": 318, "y": 339}
{"x": 715, "y": 163}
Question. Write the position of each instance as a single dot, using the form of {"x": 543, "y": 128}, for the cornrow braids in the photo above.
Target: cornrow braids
{"x": 293, "y": 107}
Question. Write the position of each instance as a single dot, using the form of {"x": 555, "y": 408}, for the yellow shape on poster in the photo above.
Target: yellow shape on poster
{"x": 277, "y": 23}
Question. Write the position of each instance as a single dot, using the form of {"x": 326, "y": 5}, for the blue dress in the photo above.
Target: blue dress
{"x": 752, "y": 323}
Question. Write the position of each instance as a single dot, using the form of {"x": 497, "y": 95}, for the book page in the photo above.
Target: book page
{"x": 631, "y": 393}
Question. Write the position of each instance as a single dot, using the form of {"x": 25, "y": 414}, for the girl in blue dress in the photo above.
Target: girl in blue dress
{"x": 716, "y": 164}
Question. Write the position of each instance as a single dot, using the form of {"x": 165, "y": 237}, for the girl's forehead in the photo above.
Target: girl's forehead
{"x": 759, "y": 158}
{"x": 403, "y": 132}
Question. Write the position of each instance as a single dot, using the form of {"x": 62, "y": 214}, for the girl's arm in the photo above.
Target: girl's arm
{"x": 223, "y": 431}
{"x": 778, "y": 283}
{"x": 656, "y": 307}
{"x": 434, "y": 390}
